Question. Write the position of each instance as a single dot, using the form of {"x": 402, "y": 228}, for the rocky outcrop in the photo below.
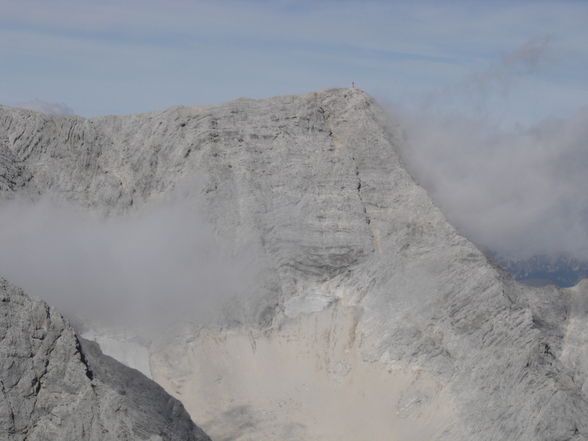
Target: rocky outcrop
{"x": 369, "y": 295}
{"x": 56, "y": 386}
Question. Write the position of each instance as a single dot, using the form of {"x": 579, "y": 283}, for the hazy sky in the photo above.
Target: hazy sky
{"x": 130, "y": 56}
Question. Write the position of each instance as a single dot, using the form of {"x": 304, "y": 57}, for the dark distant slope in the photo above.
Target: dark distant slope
{"x": 55, "y": 388}
{"x": 546, "y": 270}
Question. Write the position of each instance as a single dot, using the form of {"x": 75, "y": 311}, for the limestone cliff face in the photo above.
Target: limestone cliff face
{"x": 55, "y": 386}
{"x": 370, "y": 295}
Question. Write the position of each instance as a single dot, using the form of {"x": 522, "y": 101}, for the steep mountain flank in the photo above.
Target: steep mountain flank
{"x": 374, "y": 318}
{"x": 55, "y": 386}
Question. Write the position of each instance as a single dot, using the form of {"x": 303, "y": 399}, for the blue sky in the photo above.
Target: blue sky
{"x": 118, "y": 57}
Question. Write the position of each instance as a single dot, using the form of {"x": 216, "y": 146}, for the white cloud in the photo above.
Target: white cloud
{"x": 158, "y": 265}
{"x": 518, "y": 192}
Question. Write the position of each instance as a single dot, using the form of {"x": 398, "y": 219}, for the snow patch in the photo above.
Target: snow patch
{"x": 308, "y": 304}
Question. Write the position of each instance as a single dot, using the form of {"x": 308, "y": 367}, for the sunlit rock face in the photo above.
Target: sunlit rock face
{"x": 371, "y": 317}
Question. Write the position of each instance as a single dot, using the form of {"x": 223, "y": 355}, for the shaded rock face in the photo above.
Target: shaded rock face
{"x": 369, "y": 291}
{"x": 55, "y": 386}
{"x": 13, "y": 175}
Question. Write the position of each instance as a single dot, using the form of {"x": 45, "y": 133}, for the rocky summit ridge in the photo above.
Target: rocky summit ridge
{"x": 373, "y": 318}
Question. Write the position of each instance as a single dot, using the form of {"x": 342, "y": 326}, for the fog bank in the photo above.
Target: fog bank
{"x": 159, "y": 264}
{"x": 516, "y": 187}
{"x": 519, "y": 192}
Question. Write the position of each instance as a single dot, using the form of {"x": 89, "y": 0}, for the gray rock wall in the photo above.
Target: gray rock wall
{"x": 57, "y": 387}
{"x": 316, "y": 180}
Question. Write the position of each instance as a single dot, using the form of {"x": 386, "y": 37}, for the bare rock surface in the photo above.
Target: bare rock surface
{"x": 56, "y": 386}
{"x": 375, "y": 319}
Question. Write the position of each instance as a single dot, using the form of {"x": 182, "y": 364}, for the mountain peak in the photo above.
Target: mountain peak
{"x": 364, "y": 285}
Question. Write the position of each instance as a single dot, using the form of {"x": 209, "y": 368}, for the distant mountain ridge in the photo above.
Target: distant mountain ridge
{"x": 544, "y": 270}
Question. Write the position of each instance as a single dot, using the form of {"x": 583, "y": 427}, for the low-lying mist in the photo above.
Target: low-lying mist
{"x": 158, "y": 265}
{"x": 516, "y": 187}
{"x": 519, "y": 192}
